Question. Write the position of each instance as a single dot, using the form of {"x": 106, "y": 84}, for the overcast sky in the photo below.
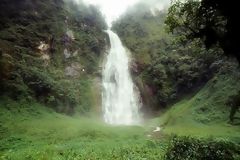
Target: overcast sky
{"x": 112, "y": 9}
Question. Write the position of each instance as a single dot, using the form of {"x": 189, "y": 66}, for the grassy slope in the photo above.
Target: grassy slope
{"x": 205, "y": 114}
{"x": 31, "y": 131}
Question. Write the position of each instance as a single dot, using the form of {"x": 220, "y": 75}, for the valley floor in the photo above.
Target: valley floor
{"x": 31, "y": 131}
{"x": 34, "y": 132}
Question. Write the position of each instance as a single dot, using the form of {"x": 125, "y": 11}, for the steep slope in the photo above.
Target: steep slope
{"x": 49, "y": 51}
{"x": 165, "y": 69}
{"x": 188, "y": 87}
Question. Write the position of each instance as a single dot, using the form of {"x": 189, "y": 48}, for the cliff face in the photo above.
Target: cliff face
{"x": 49, "y": 50}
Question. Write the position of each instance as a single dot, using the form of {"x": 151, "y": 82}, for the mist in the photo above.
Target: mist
{"x": 112, "y": 10}
{"x": 156, "y": 4}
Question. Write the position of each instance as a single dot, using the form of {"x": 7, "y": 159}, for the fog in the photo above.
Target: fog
{"x": 112, "y": 9}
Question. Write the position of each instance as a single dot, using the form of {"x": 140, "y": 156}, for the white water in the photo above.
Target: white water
{"x": 120, "y": 100}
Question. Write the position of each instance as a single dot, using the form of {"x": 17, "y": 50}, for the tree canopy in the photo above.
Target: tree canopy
{"x": 213, "y": 21}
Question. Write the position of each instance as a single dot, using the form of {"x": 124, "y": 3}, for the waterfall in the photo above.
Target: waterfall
{"x": 120, "y": 98}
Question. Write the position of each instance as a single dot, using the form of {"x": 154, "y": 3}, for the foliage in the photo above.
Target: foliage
{"x": 24, "y": 72}
{"x": 181, "y": 71}
{"x": 234, "y": 103}
{"x": 206, "y": 113}
{"x": 214, "y": 22}
{"x": 199, "y": 149}
{"x": 168, "y": 66}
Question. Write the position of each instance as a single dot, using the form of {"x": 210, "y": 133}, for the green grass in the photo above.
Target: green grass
{"x": 205, "y": 114}
{"x": 31, "y": 131}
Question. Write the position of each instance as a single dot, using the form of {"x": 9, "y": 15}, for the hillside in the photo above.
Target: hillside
{"x": 50, "y": 51}
{"x": 185, "y": 85}
{"x": 165, "y": 69}
{"x": 205, "y": 113}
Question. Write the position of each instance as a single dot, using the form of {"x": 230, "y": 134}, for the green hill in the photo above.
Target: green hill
{"x": 206, "y": 113}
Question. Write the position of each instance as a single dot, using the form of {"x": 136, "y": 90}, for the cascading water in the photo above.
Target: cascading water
{"x": 120, "y": 98}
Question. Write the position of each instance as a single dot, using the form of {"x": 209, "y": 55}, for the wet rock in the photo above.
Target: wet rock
{"x": 136, "y": 68}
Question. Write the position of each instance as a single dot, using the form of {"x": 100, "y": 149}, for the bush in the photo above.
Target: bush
{"x": 185, "y": 148}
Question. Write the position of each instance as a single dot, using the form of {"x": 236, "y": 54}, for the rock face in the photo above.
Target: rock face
{"x": 75, "y": 53}
{"x": 66, "y": 53}
{"x": 43, "y": 51}
{"x": 73, "y": 70}
{"x": 70, "y": 34}
{"x": 136, "y": 67}
{"x": 43, "y": 47}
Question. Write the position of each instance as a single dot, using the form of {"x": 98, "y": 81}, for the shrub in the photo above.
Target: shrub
{"x": 186, "y": 148}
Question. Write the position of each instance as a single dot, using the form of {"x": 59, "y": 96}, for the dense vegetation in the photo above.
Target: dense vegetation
{"x": 168, "y": 67}
{"x": 50, "y": 56}
{"x": 48, "y": 50}
{"x": 214, "y": 22}
{"x": 195, "y": 149}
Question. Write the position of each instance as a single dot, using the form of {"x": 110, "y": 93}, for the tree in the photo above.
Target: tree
{"x": 213, "y": 21}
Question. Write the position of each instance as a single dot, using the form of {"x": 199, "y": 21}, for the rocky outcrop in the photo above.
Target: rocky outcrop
{"x": 74, "y": 70}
